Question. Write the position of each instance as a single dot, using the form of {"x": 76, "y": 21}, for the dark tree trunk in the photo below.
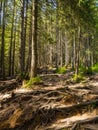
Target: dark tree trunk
{"x": 11, "y": 41}
{"x": 13, "y": 54}
{"x": 22, "y": 48}
{"x": 3, "y": 43}
{"x": 78, "y": 51}
{"x": 57, "y": 37}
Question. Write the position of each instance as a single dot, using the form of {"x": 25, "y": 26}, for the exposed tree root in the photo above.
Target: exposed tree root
{"x": 59, "y": 108}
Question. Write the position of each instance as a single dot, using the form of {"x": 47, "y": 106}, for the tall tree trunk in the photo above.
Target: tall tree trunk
{"x": 33, "y": 71}
{"x": 25, "y": 32}
{"x": 22, "y": 48}
{"x": 0, "y": 31}
{"x": 61, "y": 51}
{"x": 57, "y": 35}
{"x": 66, "y": 50}
{"x": 3, "y": 42}
{"x": 13, "y": 52}
{"x": 10, "y": 49}
{"x": 78, "y": 51}
{"x": 28, "y": 63}
{"x": 0, "y": 12}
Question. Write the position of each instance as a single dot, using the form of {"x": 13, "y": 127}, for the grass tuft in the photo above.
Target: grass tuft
{"x": 78, "y": 78}
{"x": 95, "y": 68}
{"x": 61, "y": 70}
{"x": 33, "y": 81}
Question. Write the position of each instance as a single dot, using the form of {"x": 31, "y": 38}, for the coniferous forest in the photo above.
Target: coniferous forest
{"x": 48, "y": 64}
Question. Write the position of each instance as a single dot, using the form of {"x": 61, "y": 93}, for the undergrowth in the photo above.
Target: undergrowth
{"x": 83, "y": 72}
{"x": 95, "y": 68}
{"x": 61, "y": 70}
{"x": 22, "y": 76}
{"x": 77, "y": 78}
{"x": 33, "y": 81}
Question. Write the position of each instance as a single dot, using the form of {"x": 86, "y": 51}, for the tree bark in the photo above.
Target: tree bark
{"x": 22, "y": 48}
{"x": 11, "y": 41}
{"x": 33, "y": 71}
{"x": 3, "y": 43}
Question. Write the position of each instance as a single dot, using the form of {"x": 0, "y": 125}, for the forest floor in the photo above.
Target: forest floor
{"x": 55, "y": 105}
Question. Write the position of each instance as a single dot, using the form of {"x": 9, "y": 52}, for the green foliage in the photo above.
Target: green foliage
{"x": 23, "y": 76}
{"x": 33, "y": 81}
{"x": 82, "y": 69}
{"x": 95, "y": 68}
{"x": 61, "y": 70}
{"x": 85, "y": 71}
{"x": 89, "y": 71}
{"x": 78, "y": 78}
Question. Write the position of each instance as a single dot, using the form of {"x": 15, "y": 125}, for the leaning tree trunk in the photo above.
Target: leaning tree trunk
{"x": 33, "y": 70}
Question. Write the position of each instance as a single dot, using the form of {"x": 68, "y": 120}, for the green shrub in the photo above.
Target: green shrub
{"x": 61, "y": 70}
{"x": 22, "y": 76}
{"x": 88, "y": 71}
{"x": 78, "y": 78}
{"x": 85, "y": 71}
{"x": 33, "y": 81}
{"x": 95, "y": 68}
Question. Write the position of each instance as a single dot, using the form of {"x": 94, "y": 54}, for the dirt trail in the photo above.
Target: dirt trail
{"x": 55, "y": 105}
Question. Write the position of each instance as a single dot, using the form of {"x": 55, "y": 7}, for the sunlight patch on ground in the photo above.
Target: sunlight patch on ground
{"x": 94, "y": 84}
{"x": 4, "y": 96}
{"x": 61, "y": 123}
{"x": 22, "y": 90}
{"x": 53, "y": 87}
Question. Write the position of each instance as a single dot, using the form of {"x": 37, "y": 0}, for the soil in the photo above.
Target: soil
{"x": 57, "y": 104}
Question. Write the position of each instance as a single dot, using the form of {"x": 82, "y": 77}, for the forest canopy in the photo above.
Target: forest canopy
{"x": 41, "y": 33}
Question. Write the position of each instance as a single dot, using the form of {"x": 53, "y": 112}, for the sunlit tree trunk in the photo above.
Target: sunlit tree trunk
{"x": 33, "y": 71}
{"x": 28, "y": 63}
